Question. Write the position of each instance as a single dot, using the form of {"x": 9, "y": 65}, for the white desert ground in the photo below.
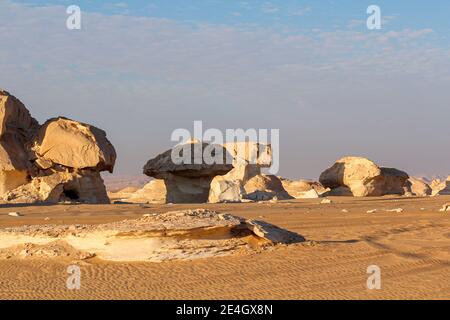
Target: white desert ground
{"x": 342, "y": 240}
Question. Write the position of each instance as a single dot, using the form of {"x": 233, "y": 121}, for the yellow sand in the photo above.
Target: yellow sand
{"x": 412, "y": 249}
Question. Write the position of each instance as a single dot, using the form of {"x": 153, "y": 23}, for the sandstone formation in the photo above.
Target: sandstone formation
{"x": 177, "y": 235}
{"x": 363, "y": 178}
{"x": 58, "y": 161}
{"x": 187, "y": 182}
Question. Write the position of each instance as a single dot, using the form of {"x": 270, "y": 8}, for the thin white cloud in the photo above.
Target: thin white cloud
{"x": 269, "y": 8}
{"x": 330, "y": 93}
{"x": 301, "y": 11}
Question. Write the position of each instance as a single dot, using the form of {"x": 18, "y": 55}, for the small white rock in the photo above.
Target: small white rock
{"x": 344, "y": 211}
{"x": 398, "y": 210}
{"x": 372, "y": 211}
{"x": 15, "y": 214}
{"x": 326, "y": 201}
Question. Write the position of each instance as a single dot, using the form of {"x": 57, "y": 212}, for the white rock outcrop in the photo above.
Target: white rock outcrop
{"x": 364, "y": 178}
{"x": 58, "y": 161}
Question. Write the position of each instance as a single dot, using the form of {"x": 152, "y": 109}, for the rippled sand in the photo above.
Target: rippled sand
{"x": 412, "y": 249}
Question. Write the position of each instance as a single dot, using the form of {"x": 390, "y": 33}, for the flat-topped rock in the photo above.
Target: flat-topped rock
{"x": 185, "y": 234}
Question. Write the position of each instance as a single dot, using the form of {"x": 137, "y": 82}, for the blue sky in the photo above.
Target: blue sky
{"x": 141, "y": 69}
{"x": 324, "y": 14}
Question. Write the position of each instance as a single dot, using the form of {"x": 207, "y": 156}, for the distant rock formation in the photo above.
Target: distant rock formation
{"x": 153, "y": 192}
{"x": 361, "y": 177}
{"x": 58, "y": 161}
{"x": 440, "y": 187}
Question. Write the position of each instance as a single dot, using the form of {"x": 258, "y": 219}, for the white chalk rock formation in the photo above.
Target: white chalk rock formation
{"x": 188, "y": 178}
{"x": 303, "y": 189}
{"x": 265, "y": 187}
{"x": 72, "y": 144}
{"x": 177, "y": 235}
{"x": 16, "y": 129}
{"x": 58, "y": 161}
{"x": 440, "y": 187}
{"x": 418, "y": 187}
{"x": 245, "y": 181}
{"x": 364, "y": 178}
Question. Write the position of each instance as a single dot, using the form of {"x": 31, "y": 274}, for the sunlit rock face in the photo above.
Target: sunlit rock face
{"x": 58, "y": 161}
{"x": 361, "y": 177}
{"x": 16, "y": 129}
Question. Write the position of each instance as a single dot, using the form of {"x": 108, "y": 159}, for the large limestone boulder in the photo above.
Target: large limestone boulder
{"x": 73, "y": 145}
{"x": 190, "y": 180}
{"x": 58, "y": 161}
{"x": 364, "y": 178}
{"x": 16, "y": 128}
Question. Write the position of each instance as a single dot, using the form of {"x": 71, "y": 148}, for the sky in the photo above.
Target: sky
{"x": 312, "y": 69}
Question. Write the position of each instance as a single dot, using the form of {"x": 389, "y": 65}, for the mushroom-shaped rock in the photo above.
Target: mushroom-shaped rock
{"x": 188, "y": 169}
{"x": 16, "y": 128}
{"x": 74, "y": 145}
{"x": 364, "y": 178}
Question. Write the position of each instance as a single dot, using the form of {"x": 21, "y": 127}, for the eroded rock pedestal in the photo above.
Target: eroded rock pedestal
{"x": 236, "y": 179}
{"x": 189, "y": 181}
{"x": 178, "y": 235}
{"x": 58, "y": 161}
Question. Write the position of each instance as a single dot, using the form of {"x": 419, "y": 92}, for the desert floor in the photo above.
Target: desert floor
{"x": 411, "y": 248}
